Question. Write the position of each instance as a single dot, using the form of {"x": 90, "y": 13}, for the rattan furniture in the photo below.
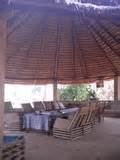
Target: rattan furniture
{"x": 39, "y": 106}
{"x": 12, "y": 122}
{"x": 78, "y": 124}
{"x": 8, "y": 108}
{"x": 27, "y": 108}
{"x": 13, "y": 148}
{"x": 48, "y": 105}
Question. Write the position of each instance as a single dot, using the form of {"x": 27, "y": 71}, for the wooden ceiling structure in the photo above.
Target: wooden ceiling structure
{"x": 49, "y": 42}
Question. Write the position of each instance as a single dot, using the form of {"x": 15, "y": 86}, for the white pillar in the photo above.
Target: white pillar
{"x": 55, "y": 96}
{"x": 2, "y": 68}
{"x": 117, "y": 88}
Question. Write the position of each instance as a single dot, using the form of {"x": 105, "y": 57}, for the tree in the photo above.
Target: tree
{"x": 76, "y": 93}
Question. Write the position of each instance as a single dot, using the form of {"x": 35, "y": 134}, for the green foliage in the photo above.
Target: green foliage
{"x": 36, "y": 89}
{"x": 76, "y": 93}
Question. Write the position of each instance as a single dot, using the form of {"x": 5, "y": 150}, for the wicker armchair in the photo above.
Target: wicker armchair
{"x": 27, "y": 108}
{"x": 8, "y": 108}
{"x": 74, "y": 126}
{"x": 39, "y": 106}
{"x": 56, "y": 105}
{"x": 48, "y": 105}
{"x": 11, "y": 118}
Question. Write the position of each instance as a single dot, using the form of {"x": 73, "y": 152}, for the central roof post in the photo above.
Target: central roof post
{"x": 55, "y": 96}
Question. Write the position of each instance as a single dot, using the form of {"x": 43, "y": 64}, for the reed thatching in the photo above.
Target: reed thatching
{"x": 101, "y": 2}
{"x": 64, "y": 43}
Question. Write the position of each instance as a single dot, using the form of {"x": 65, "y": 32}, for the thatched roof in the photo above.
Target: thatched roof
{"x": 97, "y": 2}
{"x": 102, "y": 2}
{"x": 70, "y": 44}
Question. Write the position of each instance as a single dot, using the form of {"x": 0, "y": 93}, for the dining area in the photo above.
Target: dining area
{"x": 43, "y": 121}
{"x": 49, "y": 119}
{"x": 72, "y": 127}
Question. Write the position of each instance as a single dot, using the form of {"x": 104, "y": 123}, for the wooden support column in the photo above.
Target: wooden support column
{"x": 55, "y": 96}
{"x": 117, "y": 88}
{"x": 2, "y": 68}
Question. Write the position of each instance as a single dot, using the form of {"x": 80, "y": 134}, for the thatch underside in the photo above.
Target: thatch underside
{"x": 71, "y": 45}
{"x": 101, "y": 2}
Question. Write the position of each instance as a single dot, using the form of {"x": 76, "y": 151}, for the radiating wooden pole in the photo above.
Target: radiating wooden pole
{"x": 55, "y": 96}
{"x": 2, "y": 68}
{"x": 117, "y": 88}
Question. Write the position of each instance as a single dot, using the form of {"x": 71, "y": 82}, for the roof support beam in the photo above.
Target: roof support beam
{"x": 37, "y": 32}
{"x": 55, "y": 95}
{"x": 117, "y": 88}
{"x": 82, "y": 59}
{"x": 3, "y": 31}
{"x": 58, "y": 41}
{"x": 73, "y": 50}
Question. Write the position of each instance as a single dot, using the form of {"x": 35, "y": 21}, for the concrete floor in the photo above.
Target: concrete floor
{"x": 103, "y": 144}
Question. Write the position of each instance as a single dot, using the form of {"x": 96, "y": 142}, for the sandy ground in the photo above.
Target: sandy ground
{"x": 103, "y": 144}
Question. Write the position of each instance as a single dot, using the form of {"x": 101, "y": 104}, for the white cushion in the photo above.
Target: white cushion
{"x": 61, "y": 105}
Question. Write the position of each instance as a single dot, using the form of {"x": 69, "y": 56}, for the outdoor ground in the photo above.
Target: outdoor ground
{"x": 104, "y": 144}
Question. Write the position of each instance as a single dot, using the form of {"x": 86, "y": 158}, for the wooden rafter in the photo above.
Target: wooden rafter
{"x": 81, "y": 49}
{"x": 43, "y": 24}
{"x": 93, "y": 32}
{"x": 32, "y": 39}
{"x": 81, "y": 57}
{"x": 73, "y": 49}
{"x": 20, "y": 24}
{"x": 35, "y": 33}
{"x": 58, "y": 41}
{"x": 108, "y": 32}
{"x": 111, "y": 36}
{"x": 106, "y": 43}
